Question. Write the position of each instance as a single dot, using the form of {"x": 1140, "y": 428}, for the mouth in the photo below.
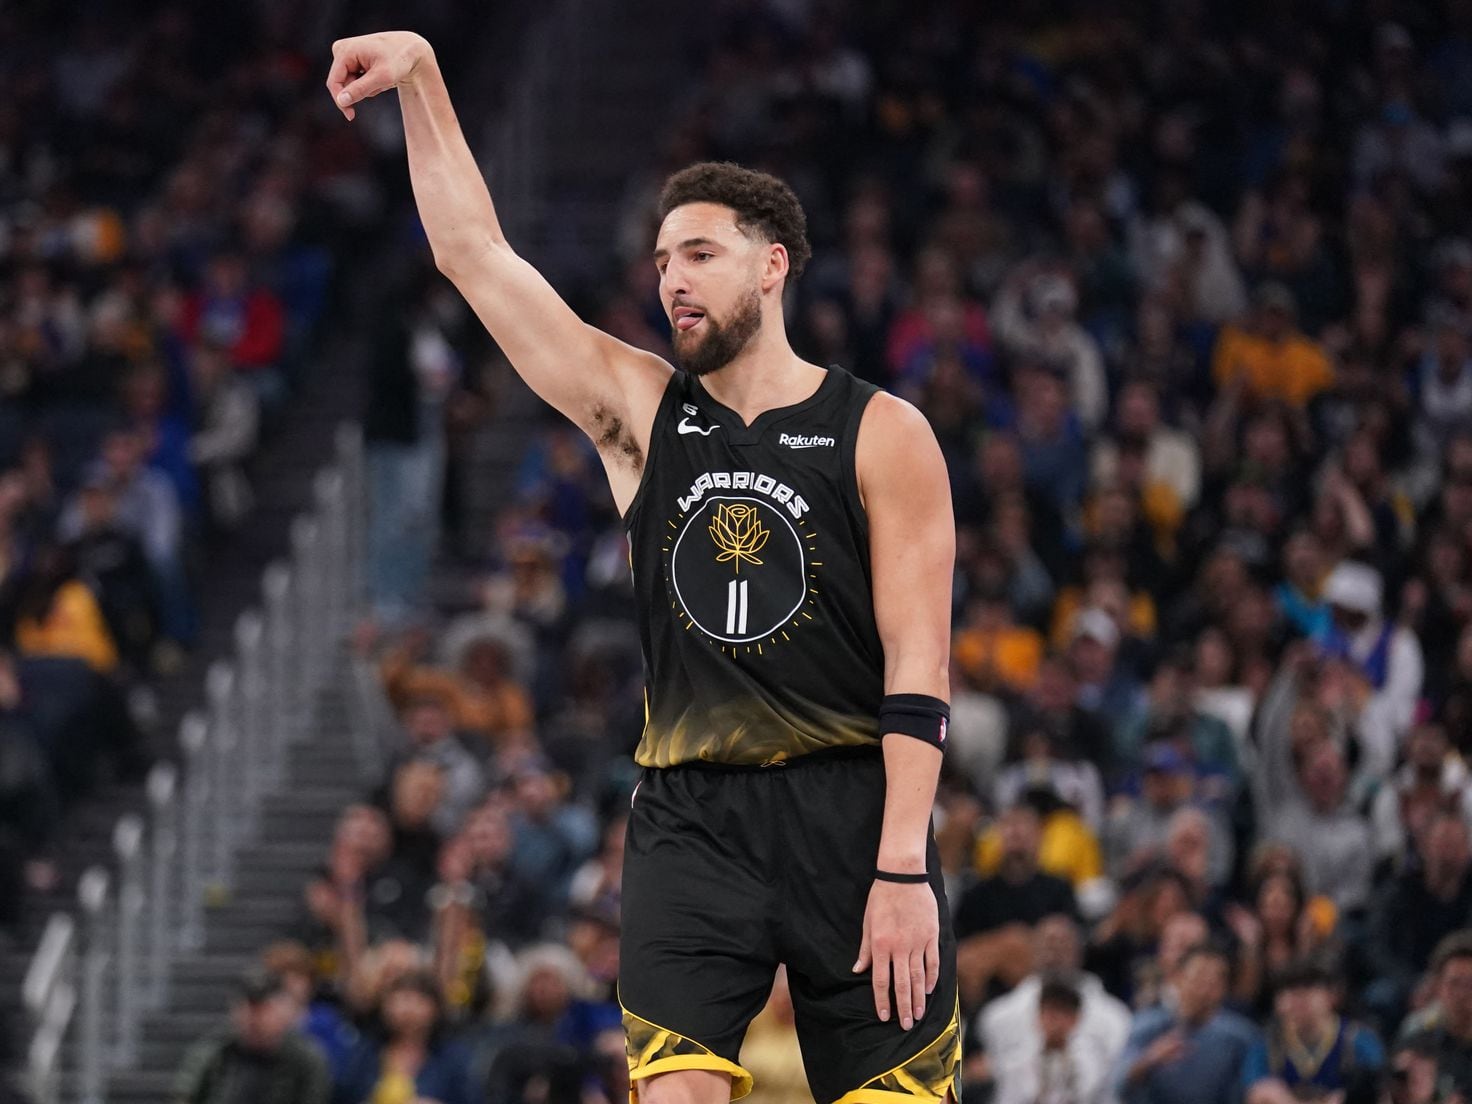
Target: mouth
{"x": 687, "y": 318}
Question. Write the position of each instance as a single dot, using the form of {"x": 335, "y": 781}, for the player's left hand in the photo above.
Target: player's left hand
{"x": 901, "y": 941}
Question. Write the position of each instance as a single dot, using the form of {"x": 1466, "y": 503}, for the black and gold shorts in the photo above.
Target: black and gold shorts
{"x": 729, "y": 872}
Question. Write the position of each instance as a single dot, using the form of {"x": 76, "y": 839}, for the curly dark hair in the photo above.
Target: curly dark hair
{"x": 764, "y": 205}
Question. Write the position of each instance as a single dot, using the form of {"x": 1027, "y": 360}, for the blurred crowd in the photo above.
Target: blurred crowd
{"x": 1185, "y": 293}
{"x": 173, "y": 202}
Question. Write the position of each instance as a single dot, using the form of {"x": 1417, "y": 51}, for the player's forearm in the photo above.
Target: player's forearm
{"x": 911, "y": 770}
{"x": 454, "y": 203}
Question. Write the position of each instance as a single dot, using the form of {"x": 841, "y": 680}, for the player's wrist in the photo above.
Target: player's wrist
{"x": 901, "y": 878}
{"x": 421, "y": 62}
{"x": 902, "y": 862}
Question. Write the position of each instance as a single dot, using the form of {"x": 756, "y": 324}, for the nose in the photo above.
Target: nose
{"x": 674, "y": 282}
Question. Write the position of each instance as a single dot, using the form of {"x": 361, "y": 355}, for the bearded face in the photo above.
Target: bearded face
{"x": 709, "y": 343}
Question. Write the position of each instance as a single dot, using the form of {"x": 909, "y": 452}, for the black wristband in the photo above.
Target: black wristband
{"x": 918, "y": 715}
{"x": 902, "y": 879}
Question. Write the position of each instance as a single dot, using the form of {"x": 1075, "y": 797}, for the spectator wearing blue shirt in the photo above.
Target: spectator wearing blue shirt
{"x": 1193, "y": 1052}
{"x": 1298, "y": 596}
{"x": 411, "y": 1059}
{"x": 1054, "y": 459}
{"x": 1308, "y": 1049}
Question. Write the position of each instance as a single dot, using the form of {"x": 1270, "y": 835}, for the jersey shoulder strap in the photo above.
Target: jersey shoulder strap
{"x": 857, "y": 396}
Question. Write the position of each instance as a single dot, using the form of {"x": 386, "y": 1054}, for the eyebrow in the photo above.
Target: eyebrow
{"x": 688, "y": 243}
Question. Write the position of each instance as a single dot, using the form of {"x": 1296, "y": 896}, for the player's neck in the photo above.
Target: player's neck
{"x": 766, "y": 375}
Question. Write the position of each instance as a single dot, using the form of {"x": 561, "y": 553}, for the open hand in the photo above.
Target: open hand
{"x": 901, "y": 942}
{"x": 364, "y": 66}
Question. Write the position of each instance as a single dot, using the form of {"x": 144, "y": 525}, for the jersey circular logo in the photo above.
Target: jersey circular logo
{"x": 738, "y": 569}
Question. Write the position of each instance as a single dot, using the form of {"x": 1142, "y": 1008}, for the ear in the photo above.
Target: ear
{"x": 774, "y": 270}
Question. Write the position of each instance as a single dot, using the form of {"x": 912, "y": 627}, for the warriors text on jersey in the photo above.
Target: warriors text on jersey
{"x": 750, "y": 554}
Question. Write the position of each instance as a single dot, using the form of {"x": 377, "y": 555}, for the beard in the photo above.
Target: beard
{"x": 722, "y": 342}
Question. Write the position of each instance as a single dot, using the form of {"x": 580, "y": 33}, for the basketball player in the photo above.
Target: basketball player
{"x": 792, "y": 549}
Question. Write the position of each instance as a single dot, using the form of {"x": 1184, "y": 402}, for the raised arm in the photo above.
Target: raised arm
{"x": 912, "y": 552}
{"x": 608, "y": 388}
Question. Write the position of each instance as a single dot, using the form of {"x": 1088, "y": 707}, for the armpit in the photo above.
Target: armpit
{"x": 614, "y": 440}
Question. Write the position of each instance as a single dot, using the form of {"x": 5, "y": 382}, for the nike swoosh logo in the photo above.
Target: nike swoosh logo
{"x": 686, "y": 427}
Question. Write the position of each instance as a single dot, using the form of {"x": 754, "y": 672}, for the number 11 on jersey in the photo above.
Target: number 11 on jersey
{"x": 736, "y": 607}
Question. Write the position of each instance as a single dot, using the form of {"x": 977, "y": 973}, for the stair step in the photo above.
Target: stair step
{"x": 158, "y": 1056}
{"x": 324, "y": 776}
{"x": 184, "y": 1027}
{"x": 315, "y": 799}
{"x": 141, "y": 1087}
{"x": 301, "y": 854}
{"x": 289, "y": 827}
{"x": 217, "y": 968}
{"x": 255, "y": 908}
{"x": 243, "y": 940}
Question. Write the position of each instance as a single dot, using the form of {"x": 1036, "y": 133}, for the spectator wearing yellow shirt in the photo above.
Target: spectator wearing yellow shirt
{"x": 59, "y": 617}
{"x": 1271, "y": 359}
{"x": 992, "y": 650}
{"x": 1067, "y": 847}
{"x": 482, "y": 696}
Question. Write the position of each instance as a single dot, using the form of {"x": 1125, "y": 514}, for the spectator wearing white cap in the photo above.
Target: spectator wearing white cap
{"x": 1188, "y": 249}
{"x": 1034, "y": 316}
{"x": 1104, "y": 686}
{"x": 1386, "y": 658}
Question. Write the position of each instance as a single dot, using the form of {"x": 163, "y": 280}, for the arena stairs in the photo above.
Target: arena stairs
{"x": 297, "y": 821}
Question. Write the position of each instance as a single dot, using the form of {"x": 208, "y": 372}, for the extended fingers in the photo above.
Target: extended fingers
{"x": 881, "y": 983}
{"x": 917, "y": 985}
{"x": 904, "y": 1003}
{"x": 932, "y": 965}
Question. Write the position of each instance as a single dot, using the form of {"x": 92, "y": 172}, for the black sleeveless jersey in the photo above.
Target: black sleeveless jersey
{"x": 750, "y": 554}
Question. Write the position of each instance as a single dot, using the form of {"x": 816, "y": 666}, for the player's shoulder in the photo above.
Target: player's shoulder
{"x": 891, "y": 421}
{"x": 893, "y": 432}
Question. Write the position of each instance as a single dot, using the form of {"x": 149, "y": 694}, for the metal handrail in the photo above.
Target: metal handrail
{"x": 127, "y": 843}
{"x": 50, "y": 994}
{"x": 250, "y": 631}
{"x": 276, "y": 589}
{"x": 194, "y": 822}
{"x": 223, "y": 748}
{"x": 92, "y": 895}
{"x": 163, "y": 785}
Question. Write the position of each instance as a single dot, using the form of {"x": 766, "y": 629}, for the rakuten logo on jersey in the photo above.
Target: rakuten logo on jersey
{"x": 797, "y": 441}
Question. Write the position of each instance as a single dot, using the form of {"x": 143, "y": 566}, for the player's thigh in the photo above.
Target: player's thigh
{"x": 685, "y": 1087}
{"x": 846, "y": 1048}
{"x": 697, "y": 957}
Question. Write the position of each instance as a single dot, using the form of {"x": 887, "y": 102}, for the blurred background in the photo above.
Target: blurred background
{"x": 318, "y": 680}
